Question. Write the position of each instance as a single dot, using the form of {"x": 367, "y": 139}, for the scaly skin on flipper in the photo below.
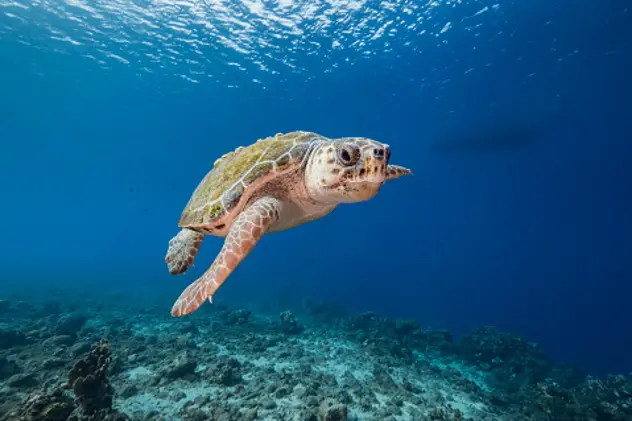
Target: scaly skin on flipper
{"x": 182, "y": 250}
{"x": 395, "y": 171}
{"x": 243, "y": 235}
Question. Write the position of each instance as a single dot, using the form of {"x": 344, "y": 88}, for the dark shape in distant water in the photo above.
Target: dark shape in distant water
{"x": 507, "y": 130}
{"x": 494, "y": 137}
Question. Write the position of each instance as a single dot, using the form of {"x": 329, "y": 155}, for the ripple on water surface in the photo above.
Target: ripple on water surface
{"x": 202, "y": 40}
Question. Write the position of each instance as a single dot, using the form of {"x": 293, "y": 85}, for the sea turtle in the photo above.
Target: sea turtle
{"x": 275, "y": 184}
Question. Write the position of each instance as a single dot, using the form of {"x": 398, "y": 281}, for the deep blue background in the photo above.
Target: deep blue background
{"x": 518, "y": 213}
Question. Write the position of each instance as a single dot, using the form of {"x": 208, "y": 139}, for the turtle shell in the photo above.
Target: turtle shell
{"x": 238, "y": 172}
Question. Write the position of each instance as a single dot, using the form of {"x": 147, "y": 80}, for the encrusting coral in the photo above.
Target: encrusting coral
{"x": 313, "y": 363}
{"x": 93, "y": 393}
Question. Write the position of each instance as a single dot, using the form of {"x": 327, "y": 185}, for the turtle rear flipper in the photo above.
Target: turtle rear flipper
{"x": 182, "y": 250}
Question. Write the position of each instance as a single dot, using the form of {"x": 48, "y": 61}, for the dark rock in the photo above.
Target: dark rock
{"x": 128, "y": 391}
{"x": 177, "y": 395}
{"x": 70, "y": 324}
{"x": 183, "y": 366}
{"x": 282, "y": 392}
{"x": 54, "y": 363}
{"x": 237, "y": 317}
{"x": 299, "y": 391}
{"x": 8, "y": 368}
{"x": 80, "y": 348}
{"x": 59, "y": 352}
{"x": 307, "y": 415}
{"x": 184, "y": 343}
{"x": 408, "y": 386}
{"x": 22, "y": 381}
{"x": 446, "y": 413}
{"x": 406, "y": 326}
{"x": 250, "y": 415}
{"x": 54, "y": 406}
{"x": 382, "y": 378}
{"x": 225, "y": 371}
{"x": 112, "y": 416}
{"x": 57, "y": 340}
{"x": 289, "y": 323}
{"x": 363, "y": 321}
{"x": 311, "y": 401}
{"x": 13, "y": 338}
{"x": 330, "y": 410}
{"x": 267, "y": 403}
{"x": 195, "y": 414}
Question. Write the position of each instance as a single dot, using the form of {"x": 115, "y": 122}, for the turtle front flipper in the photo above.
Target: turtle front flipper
{"x": 182, "y": 250}
{"x": 395, "y": 171}
{"x": 243, "y": 235}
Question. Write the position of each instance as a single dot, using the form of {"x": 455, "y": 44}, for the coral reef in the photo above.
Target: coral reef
{"x": 289, "y": 323}
{"x": 506, "y": 355}
{"x": 235, "y": 364}
{"x": 42, "y": 406}
{"x": 594, "y": 399}
{"x": 89, "y": 382}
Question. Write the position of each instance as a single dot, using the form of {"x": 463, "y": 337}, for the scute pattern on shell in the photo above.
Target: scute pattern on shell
{"x": 232, "y": 174}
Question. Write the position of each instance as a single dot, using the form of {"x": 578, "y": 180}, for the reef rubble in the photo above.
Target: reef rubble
{"x": 60, "y": 361}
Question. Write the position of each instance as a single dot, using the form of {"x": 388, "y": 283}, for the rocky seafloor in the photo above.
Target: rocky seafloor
{"x": 90, "y": 361}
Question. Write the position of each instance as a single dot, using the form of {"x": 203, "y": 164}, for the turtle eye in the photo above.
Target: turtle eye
{"x": 348, "y": 155}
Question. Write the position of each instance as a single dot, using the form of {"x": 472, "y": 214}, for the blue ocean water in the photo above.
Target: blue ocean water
{"x": 515, "y": 118}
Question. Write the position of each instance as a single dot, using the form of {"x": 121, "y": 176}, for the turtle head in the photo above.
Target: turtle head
{"x": 347, "y": 170}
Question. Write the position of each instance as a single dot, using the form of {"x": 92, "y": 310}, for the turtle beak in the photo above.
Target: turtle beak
{"x": 395, "y": 171}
